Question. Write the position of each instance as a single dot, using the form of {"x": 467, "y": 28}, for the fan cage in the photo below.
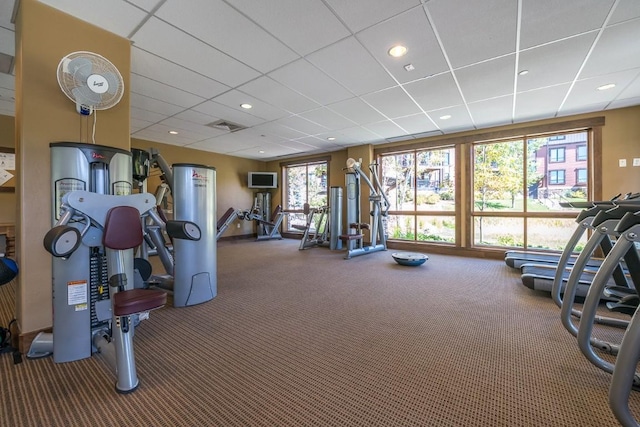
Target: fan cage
{"x": 99, "y": 65}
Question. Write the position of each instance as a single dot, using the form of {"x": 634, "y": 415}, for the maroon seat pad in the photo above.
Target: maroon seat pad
{"x": 137, "y": 301}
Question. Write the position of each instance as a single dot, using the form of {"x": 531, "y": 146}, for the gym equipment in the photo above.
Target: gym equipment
{"x": 316, "y": 229}
{"x": 335, "y": 218}
{"x": 117, "y": 221}
{"x": 355, "y": 238}
{"x": 190, "y": 264}
{"x": 226, "y": 220}
{"x": 412, "y": 259}
{"x": 628, "y": 228}
{"x": 78, "y": 283}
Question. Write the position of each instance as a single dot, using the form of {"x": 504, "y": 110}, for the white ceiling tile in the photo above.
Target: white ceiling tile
{"x": 356, "y": 134}
{"x": 553, "y": 63}
{"x": 183, "y": 135}
{"x": 190, "y": 129}
{"x": 6, "y": 12}
{"x": 278, "y": 130}
{"x": 547, "y": 20}
{"x": 301, "y": 125}
{"x": 624, "y": 103}
{"x": 626, "y": 10}
{"x": 356, "y": 110}
{"x": 8, "y": 95}
{"x": 137, "y": 124}
{"x": 583, "y": 108}
{"x": 269, "y": 90}
{"x": 386, "y": 129}
{"x": 617, "y": 49}
{"x": 632, "y": 90}
{"x": 306, "y": 79}
{"x": 147, "y": 5}
{"x": 540, "y": 103}
{"x": 327, "y": 118}
{"x": 159, "y": 69}
{"x": 153, "y": 89}
{"x": 492, "y": 112}
{"x": 7, "y": 108}
{"x": 350, "y": 64}
{"x": 7, "y": 81}
{"x": 416, "y": 123}
{"x": 7, "y": 42}
{"x": 487, "y": 79}
{"x": 585, "y": 92}
{"x": 412, "y": 30}
{"x": 166, "y": 41}
{"x": 196, "y": 117}
{"x": 234, "y": 98}
{"x": 150, "y": 104}
{"x": 392, "y": 103}
{"x": 458, "y": 122}
{"x": 304, "y": 25}
{"x": 360, "y": 14}
{"x": 229, "y": 114}
{"x": 116, "y": 16}
{"x": 474, "y": 31}
{"x": 230, "y": 142}
{"x": 216, "y": 23}
{"x": 148, "y": 116}
{"x": 435, "y": 92}
{"x": 160, "y": 136}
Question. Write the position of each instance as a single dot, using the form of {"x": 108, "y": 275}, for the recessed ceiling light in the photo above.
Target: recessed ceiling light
{"x": 246, "y": 106}
{"x": 173, "y": 132}
{"x": 607, "y": 86}
{"x": 397, "y": 51}
{"x": 261, "y": 151}
{"x": 331, "y": 138}
{"x": 523, "y": 72}
{"x": 445, "y": 117}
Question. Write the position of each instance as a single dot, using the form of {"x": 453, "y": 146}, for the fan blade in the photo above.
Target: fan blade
{"x": 114, "y": 82}
{"x": 85, "y": 96}
{"x": 80, "y": 68}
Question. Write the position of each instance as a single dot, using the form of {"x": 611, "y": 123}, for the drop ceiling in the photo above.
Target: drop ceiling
{"x": 319, "y": 78}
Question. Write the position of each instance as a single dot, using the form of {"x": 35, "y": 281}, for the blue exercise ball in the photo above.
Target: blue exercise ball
{"x": 8, "y": 270}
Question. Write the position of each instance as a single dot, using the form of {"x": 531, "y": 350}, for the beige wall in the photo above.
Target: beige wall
{"x": 231, "y": 178}
{"x": 621, "y": 140}
{"x": 44, "y": 114}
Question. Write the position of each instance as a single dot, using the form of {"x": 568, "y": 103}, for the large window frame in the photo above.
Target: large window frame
{"x": 422, "y": 194}
{"x": 305, "y": 191}
{"x": 463, "y": 160}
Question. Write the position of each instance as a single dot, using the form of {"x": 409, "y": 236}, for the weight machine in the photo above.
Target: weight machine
{"x": 190, "y": 265}
{"x": 354, "y": 238}
{"x": 96, "y": 225}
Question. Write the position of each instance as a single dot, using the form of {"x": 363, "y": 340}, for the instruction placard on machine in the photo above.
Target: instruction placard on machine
{"x": 77, "y": 294}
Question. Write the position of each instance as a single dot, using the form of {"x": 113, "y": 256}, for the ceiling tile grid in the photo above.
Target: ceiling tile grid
{"x": 319, "y": 69}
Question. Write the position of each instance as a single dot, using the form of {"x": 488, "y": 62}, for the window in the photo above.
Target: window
{"x": 304, "y": 183}
{"x": 556, "y": 155}
{"x": 420, "y": 187}
{"x": 518, "y": 197}
{"x": 556, "y": 177}
{"x": 581, "y": 153}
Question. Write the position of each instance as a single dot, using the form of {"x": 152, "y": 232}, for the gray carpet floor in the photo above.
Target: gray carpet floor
{"x": 306, "y": 338}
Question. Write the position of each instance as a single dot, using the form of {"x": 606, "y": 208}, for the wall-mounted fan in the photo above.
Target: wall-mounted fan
{"x": 90, "y": 80}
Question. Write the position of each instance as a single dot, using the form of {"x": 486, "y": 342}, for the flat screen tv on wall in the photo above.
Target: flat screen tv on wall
{"x": 263, "y": 180}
